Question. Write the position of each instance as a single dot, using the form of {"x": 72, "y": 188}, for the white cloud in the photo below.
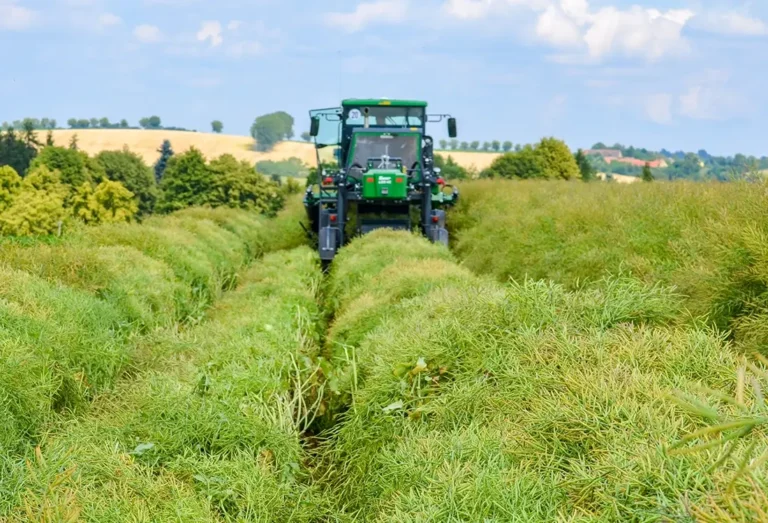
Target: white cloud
{"x": 468, "y": 9}
{"x": 557, "y": 28}
{"x": 646, "y": 33}
{"x": 234, "y": 25}
{"x": 109, "y": 20}
{"x": 731, "y": 23}
{"x": 595, "y": 33}
{"x": 148, "y": 34}
{"x": 380, "y": 11}
{"x": 210, "y": 30}
{"x": 14, "y": 17}
{"x": 658, "y": 108}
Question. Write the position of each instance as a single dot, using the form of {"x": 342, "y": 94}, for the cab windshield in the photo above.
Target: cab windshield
{"x": 385, "y": 116}
{"x": 386, "y": 150}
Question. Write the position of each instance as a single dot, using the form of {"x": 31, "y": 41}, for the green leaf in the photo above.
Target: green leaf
{"x": 398, "y": 405}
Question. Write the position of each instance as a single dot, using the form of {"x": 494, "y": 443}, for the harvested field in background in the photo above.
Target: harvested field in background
{"x": 146, "y": 143}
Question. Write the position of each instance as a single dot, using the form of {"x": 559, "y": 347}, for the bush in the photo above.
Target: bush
{"x": 109, "y": 202}
{"x": 130, "y": 170}
{"x": 189, "y": 181}
{"x": 10, "y": 185}
{"x": 238, "y": 185}
{"x": 186, "y": 182}
{"x": 33, "y": 212}
{"x": 550, "y": 159}
{"x": 73, "y": 166}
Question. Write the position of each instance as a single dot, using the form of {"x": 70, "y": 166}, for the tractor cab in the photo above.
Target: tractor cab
{"x": 376, "y": 165}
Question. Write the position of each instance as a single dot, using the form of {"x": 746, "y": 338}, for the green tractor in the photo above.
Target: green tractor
{"x": 376, "y": 170}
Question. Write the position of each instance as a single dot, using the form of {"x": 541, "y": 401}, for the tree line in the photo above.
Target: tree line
{"x": 698, "y": 166}
{"x": 549, "y": 159}
{"x": 492, "y": 146}
{"x": 42, "y": 124}
{"x": 43, "y": 186}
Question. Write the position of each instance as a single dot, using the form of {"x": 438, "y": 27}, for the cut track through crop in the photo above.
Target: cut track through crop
{"x": 468, "y": 399}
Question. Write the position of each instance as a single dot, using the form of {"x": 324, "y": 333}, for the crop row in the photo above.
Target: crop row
{"x": 212, "y": 431}
{"x": 78, "y": 314}
{"x": 705, "y": 240}
{"x": 470, "y": 400}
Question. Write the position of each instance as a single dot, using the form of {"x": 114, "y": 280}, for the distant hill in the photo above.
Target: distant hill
{"x": 146, "y": 143}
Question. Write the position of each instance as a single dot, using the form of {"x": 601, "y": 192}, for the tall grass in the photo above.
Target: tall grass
{"x": 75, "y": 313}
{"x": 213, "y": 434}
{"x": 706, "y": 240}
{"x": 476, "y": 401}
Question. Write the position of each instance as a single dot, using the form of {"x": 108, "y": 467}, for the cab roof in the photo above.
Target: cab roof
{"x": 381, "y": 102}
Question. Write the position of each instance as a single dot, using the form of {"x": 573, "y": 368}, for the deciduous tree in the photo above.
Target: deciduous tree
{"x": 187, "y": 181}
{"x": 269, "y": 129}
{"x": 129, "y": 169}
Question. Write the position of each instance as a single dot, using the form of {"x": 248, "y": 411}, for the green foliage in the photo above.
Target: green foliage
{"x": 556, "y": 159}
{"x": 292, "y": 167}
{"x": 496, "y": 145}
{"x": 703, "y": 239}
{"x": 550, "y": 159}
{"x": 269, "y": 129}
{"x": 130, "y": 170}
{"x": 15, "y": 152}
{"x": 187, "y": 181}
{"x": 73, "y": 166}
{"x": 522, "y": 164}
{"x": 434, "y": 407}
{"x": 213, "y": 438}
{"x": 217, "y": 126}
{"x": 306, "y": 136}
{"x": 450, "y": 170}
{"x": 190, "y": 181}
{"x": 10, "y": 185}
{"x": 238, "y": 185}
{"x": 33, "y": 212}
{"x": 151, "y": 122}
{"x": 587, "y": 170}
{"x": 292, "y": 187}
{"x": 114, "y": 203}
{"x": 166, "y": 151}
{"x": 647, "y": 175}
{"x": 507, "y": 146}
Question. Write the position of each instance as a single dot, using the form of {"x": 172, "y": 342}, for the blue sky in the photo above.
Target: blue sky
{"x": 678, "y": 74}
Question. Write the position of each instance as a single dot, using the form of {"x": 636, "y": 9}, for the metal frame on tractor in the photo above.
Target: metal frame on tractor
{"x": 345, "y": 191}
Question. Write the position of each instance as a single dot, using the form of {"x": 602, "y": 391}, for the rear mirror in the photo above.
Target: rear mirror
{"x": 452, "y": 128}
{"x": 314, "y": 127}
